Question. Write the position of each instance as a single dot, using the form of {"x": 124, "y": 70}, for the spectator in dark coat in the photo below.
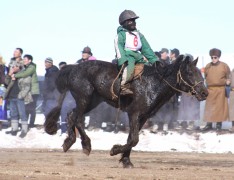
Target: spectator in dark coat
{"x": 164, "y": 56}
{"x": 189, "y": 109}
{"x": 69, "y": 104}
{"x": 162, "y": 118}
{"x": 87, "y": 55}
{"x": 50, "y": 93}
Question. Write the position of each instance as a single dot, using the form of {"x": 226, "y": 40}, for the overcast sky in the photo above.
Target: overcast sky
{"x": 61, "y": 29}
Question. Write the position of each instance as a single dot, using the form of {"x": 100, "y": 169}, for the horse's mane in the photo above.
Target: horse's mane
{"x": 159, "y": 70}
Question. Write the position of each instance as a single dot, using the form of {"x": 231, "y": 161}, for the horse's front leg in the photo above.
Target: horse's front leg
{"x": 125, "y": 160}
{"x": 132, "y": 141}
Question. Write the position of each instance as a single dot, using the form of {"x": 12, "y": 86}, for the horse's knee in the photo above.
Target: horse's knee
{"x": 134, "y": 141}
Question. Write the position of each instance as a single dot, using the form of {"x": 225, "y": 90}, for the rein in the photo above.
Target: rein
{"x": 114, "y": 96}
{"x": 179, "y": 79}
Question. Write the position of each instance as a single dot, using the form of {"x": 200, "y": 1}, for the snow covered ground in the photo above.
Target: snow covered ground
{"x": 173, "y": 141}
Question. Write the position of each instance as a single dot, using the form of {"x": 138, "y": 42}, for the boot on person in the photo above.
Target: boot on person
{"x": 208, "y": 127}
{"x": 24, "y": 129}
{"x": 109, "y": 127}
{"x": 218, "y": 126}
{"x": 14, "y": 128}
{"x": 232, "y": 128}
{"x": 125, "y": 90}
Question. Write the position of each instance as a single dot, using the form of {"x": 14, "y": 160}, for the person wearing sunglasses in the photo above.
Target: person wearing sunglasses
{"x": 217, "y": 75}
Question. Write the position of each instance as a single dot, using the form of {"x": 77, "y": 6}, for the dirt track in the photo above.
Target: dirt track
{"x": 49, "y": 165}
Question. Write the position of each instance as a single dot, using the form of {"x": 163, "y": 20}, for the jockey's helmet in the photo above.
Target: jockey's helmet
{"x": 126, "y": 15}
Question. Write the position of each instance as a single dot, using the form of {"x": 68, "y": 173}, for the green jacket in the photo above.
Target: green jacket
{"x": 30, "y": 70}
{"x": 124, "y": 54}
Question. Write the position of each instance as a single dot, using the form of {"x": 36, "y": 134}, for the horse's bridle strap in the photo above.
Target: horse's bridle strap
{"x": 179, "y": 79}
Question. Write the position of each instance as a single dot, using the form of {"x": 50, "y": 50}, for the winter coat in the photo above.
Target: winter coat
{"x": 3, "y": 72}
{"x": 25, "y": 89}
{"x": 24, "y": 86}
{"x": 132, "y": 46}
{"x": 91, "y": 58}
{"x": 231, "y": 98}
{"x": 165, "y": 62}
{"x": 49, "y": 87}
{"x": 30, "y": 70}
{"x": 216, "y": 108}
{"x": 14, "y": 62}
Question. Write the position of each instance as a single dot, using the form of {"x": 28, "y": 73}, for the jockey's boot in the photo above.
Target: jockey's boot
{"x": 125, "y": 90}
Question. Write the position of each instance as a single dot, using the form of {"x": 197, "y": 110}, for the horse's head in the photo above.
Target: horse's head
{"x": 190, "y": 79}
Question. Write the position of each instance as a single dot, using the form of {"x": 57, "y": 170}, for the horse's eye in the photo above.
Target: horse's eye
{"x": 190, "y": 73}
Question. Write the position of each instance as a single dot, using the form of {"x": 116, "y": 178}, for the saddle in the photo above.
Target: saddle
{"x": 138, "y": 71}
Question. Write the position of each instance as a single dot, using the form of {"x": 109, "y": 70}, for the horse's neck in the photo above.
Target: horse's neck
{"x": 173, "y": 77}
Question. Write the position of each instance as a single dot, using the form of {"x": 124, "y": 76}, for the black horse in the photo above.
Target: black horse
{"x": 90, "y": 83}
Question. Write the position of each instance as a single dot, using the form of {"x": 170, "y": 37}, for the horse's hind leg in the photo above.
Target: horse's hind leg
{"x": 74, "y": 120}
{"x": 71, "y": 139}
{"x": 85, "y": 140}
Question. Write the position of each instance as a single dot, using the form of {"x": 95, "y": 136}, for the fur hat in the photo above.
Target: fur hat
{"x": 215, "y": 52}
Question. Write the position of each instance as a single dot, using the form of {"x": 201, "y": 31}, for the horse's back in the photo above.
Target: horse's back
{"x": 89, "y": 77}
{"x": 98, "y": 67}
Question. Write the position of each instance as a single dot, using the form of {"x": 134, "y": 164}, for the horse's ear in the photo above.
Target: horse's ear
{"x": 180, "y": 58}
{"x": 195, "y": 62}
{"x": 187, "y": 59}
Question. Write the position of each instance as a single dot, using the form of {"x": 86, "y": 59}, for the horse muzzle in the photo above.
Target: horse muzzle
{"x": 201, "y": 95}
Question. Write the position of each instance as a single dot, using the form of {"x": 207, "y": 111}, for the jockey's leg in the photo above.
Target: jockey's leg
{"x": 130, "y": 70}
{"x": 126, "y": 77}
{"x": 132, "y": 141}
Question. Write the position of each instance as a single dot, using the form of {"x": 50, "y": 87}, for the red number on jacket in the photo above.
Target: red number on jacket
{"x": 135, "y": 41}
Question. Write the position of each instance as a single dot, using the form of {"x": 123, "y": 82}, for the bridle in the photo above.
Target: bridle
{"x": 179, "y": 80}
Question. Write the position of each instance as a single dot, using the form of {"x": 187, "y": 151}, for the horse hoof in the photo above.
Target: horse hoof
{"x": 68, "y": 142}
{"x": 86, "y": 151}
{"x": 114, "y": 150}
{"x": 126, "y": 162}
{"x": 128, "y": 166}
{"x": 51, "y": 130}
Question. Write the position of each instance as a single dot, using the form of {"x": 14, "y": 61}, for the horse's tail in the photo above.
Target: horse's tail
{"x": 62, "y": 80}
{"x": 50, "y": 124}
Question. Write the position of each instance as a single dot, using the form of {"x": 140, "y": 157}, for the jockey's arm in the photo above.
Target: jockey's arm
{"x": 119, "y": 48}
{"x": 147, "y": 51}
